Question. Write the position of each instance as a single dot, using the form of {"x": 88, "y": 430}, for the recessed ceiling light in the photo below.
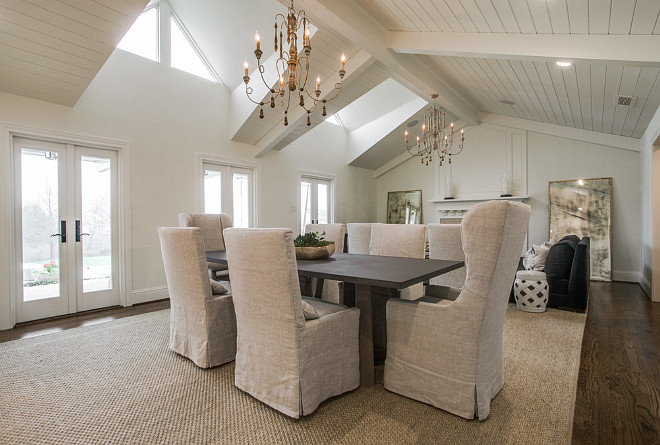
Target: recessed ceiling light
{"x": 563, "y": 63}
{"x": 508, "y": 102}
{"x": 412, "y": 123}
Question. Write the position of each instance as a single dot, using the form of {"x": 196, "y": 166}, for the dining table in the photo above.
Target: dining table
{"x": 365, "y": 271}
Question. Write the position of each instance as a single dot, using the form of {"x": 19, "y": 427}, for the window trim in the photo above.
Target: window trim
{"x": 205, "y": 158}
{"x": 316, "y": 175}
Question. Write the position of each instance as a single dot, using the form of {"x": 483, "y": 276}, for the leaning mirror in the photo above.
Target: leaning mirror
{"x": 404, "y": 207}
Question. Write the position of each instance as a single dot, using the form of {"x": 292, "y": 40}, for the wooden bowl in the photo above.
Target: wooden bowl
{"x": 315, "y": 253}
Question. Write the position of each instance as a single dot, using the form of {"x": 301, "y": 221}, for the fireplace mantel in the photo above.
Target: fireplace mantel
{"x": 457, "y": 208}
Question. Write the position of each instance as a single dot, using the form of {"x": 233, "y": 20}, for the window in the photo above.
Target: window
{"x": 183, "y": 54}
{"x": 142, "y": 38}
{"x": 229, "y": 189}
{"x": 315, "y": 200}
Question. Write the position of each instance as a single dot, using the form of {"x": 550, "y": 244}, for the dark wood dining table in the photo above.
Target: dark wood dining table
{"x": 365, "y": 271}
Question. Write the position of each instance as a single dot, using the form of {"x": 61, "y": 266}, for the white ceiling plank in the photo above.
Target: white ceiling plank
{"x": 510, "y": 91}
{"x": 354, "y": 67}
{"x": 462, "y": 15}
{"x": 455, "y": 25}
{"x": 647, "y": 79}
{"x": 469, "y": 86}
{"x": 526, "y": 104}
{"x": 559, "y": 85}
{"x": 597, "y": 96}
{"x": 613, "y": 48}
{"x": 622, "y": 15}
{"x": 471, "y": 66}
{"x": 81, "y": 16}
{"x": 422, "y": 16}
{"x": 490, "y": 15}
{"x": 583, "y": 72}
{"x": 436, "y": 16}
{"x": 612, "y": 84}
{"x": 649, "y": 109}
{"x": 532, "y": 17}
{"x": 504, "y": 12}
{"x": 599, "y": 16}
{"x": 366, "y": 33}
{"x": 402, "y": 12}
{"x": 535, "y": 81}
{"x": 521, "y": 74}
{"x": 570, "y": 81}
{"x": 578, "y": 16}
{"x": 629, "y": 80}
{"x": 558, "y": 12}
{"x": 646, "y": 16}
{"x": 105, "y": 12}
{"x": 543, "y": 71}
{"x": 476, "y": 15}
{"x": 41, "y": 56}
{"x": 379, "y": 12}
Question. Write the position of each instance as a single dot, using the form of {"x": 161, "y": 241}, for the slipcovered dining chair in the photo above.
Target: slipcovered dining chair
{"x": 445, "y": 244}
{"x": 449, "y": 353}
{"x": 359, "y": 235}
{"x": 285, "y": 358}
{"x": 212, "y": 225}
{"x": 202, "y": 325}
{"x": 333, "y": 232}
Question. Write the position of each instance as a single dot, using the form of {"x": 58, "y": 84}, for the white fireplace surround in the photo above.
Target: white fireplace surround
{"x": 457, "y": 208}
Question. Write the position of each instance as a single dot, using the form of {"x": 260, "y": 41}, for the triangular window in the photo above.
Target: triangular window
{"x": 142, "y": 38}
{"x": 184, "y": 55}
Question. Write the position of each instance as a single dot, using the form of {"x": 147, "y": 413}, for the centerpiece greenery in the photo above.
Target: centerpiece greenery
{"x": 312, "y": 246}
{"x": 311, "y": 239}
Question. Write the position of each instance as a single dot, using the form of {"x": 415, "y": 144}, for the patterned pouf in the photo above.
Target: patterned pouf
{"x": 531, "y": 290}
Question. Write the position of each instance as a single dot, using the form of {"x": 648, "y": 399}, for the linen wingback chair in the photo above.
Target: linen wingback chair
{"x": 336, "y": 233}
{"x": 445, "y": 244}
{"x": 212, "y": 225}
{"x": 202, "y": 325}
{"x": 449, "y": 353}
{"x": 359, "y": 235}
{"x": 284, "y": 360}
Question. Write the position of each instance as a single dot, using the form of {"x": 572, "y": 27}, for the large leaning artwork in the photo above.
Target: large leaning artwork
{"x": 404, "y": 207}
{"x": 584, "y": 207}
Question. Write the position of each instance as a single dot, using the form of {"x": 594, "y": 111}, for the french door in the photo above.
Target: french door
{"x": 229, "y": 189}
{"x": 315, "y": 201}
{"x": 66, "y": 211}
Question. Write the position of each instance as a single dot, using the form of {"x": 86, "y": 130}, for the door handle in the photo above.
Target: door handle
{"x": 78, "y": 234}
{"x": 62, "y": 233}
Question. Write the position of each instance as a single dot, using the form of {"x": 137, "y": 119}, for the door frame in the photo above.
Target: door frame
{"x": 8, "y": 267}
{"x": 315, "y": 175}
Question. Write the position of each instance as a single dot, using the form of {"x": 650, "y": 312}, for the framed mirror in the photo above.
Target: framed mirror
{"x": 583, "y": 207}
{"x": 404, "y": 207}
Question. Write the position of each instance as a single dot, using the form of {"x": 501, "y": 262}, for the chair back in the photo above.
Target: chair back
{"x": 211, "y": 225}
{"x": 266, "y": 291}
{"x": 359, "y": 235}
{"x": 445, "y": 244}
{"x": 402, "y": 240}
{"x": 333, "y": 232}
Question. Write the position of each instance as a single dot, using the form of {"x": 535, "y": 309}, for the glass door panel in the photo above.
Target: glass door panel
{"x": 305, "y": 204}
{"x": 323, "y": 195}
{"x": 241, "y": 199}
{"x": 212, "y": 191}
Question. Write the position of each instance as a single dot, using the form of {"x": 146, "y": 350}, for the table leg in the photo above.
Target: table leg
{"x": 363, "y": 302}
{"x": 318, "y": 293}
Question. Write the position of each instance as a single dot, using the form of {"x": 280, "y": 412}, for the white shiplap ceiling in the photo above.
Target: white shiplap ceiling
{"x": 52, "y": 49}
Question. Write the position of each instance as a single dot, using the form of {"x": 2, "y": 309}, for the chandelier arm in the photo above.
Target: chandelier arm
{"x": 337, "y": 89}
{"x": 248, "y": 91}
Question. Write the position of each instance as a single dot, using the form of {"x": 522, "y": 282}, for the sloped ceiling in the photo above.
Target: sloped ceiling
{"x": 51, "y": 50}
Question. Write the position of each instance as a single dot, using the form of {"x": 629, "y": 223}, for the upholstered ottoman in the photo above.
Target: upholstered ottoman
{"x": 531, "y": 290}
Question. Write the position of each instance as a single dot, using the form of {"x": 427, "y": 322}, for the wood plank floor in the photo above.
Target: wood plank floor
{"x": 618, "y": 394}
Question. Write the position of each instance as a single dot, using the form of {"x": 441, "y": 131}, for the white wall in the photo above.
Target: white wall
{"x": 650, "y": 201}
{"x": 549, "y": 158}
{"x": 169, "y": 116}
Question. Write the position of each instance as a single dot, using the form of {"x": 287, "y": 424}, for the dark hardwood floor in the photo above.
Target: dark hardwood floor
{"x": 618, "y": 392}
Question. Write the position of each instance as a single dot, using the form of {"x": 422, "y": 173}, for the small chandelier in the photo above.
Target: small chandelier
{"x": 436, "y": 137}
{"x": 292, "y": 68}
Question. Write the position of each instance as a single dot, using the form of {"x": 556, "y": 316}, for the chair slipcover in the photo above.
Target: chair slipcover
{"x": 401, "y": 240}
{"x": 359, "y": 235}
{"x": 283, "y": 360}
{"x": 445, "y": 244}
{"x": 211, "y": 225}
{"x": 449, "y": 353}
{"x": 333, "y": 232}
{"x": 202, "y": 325}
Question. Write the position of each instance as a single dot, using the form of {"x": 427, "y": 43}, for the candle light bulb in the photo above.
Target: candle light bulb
{"x": 245, "y": 65}
{"x": 257, "y": 38}
{"x": 281, "y": 82}
{"x": 343, "y": 60}
{"x": 406, "y": 135}
{"x": 307, "y": 37}
{"x": 318, "y": 82}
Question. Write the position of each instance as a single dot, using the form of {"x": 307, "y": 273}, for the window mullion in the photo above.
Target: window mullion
{"x": 165, "y": 32}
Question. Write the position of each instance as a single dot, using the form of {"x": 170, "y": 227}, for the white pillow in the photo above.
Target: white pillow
{"x": 217, "y": 288}
{"x": 308, "y": 311}
{"x": 551, "y": 242}
{"x": 528, "y": 259}
{"x": 540, "y": 255}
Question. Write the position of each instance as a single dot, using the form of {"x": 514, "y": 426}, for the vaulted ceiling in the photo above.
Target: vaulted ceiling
{"x": 479, "y": 56}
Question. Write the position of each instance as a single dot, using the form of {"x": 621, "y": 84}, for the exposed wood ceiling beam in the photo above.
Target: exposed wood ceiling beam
{"x": 638, "y": 49}
{"x": 297, "y": 116}
{"x": 362, "y": 29}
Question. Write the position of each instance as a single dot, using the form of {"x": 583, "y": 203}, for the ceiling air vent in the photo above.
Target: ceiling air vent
{"x": 626, "y": 101}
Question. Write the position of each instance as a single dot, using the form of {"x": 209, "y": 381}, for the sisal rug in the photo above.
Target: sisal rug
{"x": 117, "y": 383}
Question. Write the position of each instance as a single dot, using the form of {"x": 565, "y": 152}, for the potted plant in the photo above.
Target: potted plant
{"x": 312, "y": 246}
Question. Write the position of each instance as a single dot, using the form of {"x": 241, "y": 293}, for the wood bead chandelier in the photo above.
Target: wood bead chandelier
{"x": 292, "y": 68}
{"x": 436, "y": 137}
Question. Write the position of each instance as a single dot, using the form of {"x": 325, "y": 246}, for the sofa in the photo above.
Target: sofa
{"x": 568, "y": 271}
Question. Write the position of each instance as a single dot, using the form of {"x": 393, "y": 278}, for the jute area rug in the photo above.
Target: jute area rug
{"x": 118, "y": 383}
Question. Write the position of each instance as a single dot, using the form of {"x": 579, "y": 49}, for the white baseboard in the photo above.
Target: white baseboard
{"x": 646, "y": 286}
{"x": 149, "y": 294}
{"x": 628, "y": 277}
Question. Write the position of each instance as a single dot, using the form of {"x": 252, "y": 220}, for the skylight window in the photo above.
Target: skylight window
{"x": 142, "y": 38}
{"x": 183, "y": 54}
